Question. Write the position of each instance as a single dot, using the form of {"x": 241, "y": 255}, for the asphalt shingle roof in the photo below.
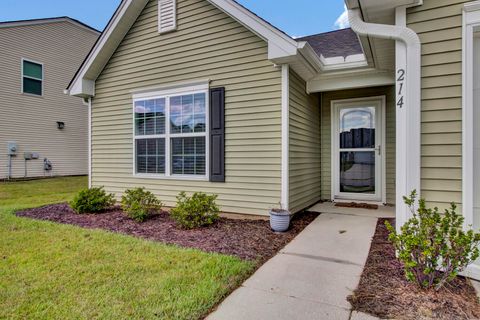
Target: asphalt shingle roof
{"x": 339, "y": 43}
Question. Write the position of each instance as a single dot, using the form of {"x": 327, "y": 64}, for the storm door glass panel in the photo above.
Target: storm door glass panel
{"x": 357, "y": 150}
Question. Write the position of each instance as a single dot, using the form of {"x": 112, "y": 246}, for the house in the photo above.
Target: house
{"x": 203, "y": 95}
{"x": 37, "y": 120}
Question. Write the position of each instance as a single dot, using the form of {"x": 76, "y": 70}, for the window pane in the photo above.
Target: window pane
{"x": 149, "y": 126}
{"x": 150, "y": 117}
{"x": 176, "y": 114}
{"x": 150, "y": 155}
{"x": 188, "y": 156}
{"x": 357, "y": 128}
{"x": 33, "y": 70}
{"x": 187, "y": 113}
{"x": 357, "y": 172}
{"x": 32, "y": 86}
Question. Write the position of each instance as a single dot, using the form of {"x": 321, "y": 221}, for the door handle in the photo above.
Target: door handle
{"x": 379, "y": 150}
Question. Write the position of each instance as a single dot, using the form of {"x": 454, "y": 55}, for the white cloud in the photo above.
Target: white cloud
{"x": 342, "y": 21}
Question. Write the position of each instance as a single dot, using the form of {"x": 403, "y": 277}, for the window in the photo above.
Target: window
{"x": 32, "y": 77}
{"x": 167, "y": 15}
{"x": 171, "y": 135}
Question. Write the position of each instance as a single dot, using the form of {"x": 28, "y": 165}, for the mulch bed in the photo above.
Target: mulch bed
{"x": 248, "y": 239}
{"x": 385, "y": 292}
{"x": 357, "y": 205}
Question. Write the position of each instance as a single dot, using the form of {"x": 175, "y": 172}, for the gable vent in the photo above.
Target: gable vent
{"x": 167, "y": 15}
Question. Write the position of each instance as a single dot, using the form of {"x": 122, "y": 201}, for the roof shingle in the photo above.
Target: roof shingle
{"x": 339, "y": 43}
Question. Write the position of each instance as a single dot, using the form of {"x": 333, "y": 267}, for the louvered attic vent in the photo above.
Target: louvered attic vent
{"x": 167, "y": 15}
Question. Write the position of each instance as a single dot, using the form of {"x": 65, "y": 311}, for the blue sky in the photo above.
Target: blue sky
{"x": 296, "y": 17}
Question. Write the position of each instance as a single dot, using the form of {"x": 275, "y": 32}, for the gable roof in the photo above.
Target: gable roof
{"x": 31, "y": 22}
{"x": 339, "y": 43}
{"x": 282, "y": 49}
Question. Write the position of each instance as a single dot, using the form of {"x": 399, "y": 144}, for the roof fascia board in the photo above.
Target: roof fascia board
{"x": 84, "y": 82}
{"x": 24, "y": 23}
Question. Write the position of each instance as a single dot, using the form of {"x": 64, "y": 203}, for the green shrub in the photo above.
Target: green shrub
{"x": 93, "y": 200}
{"x": 434, "y": 247}
{"x": 198, "y": 211}
{"x": 138, "y": 204}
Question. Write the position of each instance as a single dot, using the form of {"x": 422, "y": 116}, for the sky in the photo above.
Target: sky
{"x": 295, "y": 17}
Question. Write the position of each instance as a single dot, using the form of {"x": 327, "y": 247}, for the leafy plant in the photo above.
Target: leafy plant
{"x": 139, "y": 203}
{"x": 93, "y": 200}
{"x": 434, "y": 247}
{"x": 196, "y": 211}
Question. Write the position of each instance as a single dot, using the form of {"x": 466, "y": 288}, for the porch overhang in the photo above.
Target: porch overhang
{"x": 352, "y": 79}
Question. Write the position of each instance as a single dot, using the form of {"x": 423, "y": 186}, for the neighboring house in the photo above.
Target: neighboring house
{"x": 38, "y": 58}
{"x": 203, "y": 95}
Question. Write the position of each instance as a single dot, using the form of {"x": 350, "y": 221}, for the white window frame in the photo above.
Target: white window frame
{"x": 23, "y": 76}
{"x": 166, "y": 94}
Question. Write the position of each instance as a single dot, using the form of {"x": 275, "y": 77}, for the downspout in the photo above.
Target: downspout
{"x": 89, "y": 142}
{"x": 408, "y": 101}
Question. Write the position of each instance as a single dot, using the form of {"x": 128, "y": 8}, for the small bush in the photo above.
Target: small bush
{"x": 198, "y": 211}
{"x": 138, "y": 204}
{"x": 93, "y": 200}
{"x": 434, "y": 247}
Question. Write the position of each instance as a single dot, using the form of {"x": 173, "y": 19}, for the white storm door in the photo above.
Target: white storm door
{"x": 358, "y": 149}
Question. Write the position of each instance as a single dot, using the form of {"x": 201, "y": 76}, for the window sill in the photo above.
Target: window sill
{"x": 174, "y": 177}
{"x": 31, "y": 95}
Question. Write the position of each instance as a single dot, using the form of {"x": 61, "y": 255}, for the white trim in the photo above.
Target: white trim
{"x": 285, "y": 196}
{"x": 167, "y": 93}
{"x": 471, "y": 23}
{"x": 89, "y": 142}
{"x": 42, "y": 80}
{"x": 380, "y": 104}
{"x": 171, "y": 88}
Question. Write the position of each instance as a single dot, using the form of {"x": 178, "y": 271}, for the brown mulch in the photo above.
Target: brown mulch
{"x": 385, "y": 292}
{"x": 357, "y": 205}
{"x": 247, "y": 239}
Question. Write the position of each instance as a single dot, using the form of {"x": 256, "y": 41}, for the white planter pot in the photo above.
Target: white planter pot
{"x": 280, "y": 220}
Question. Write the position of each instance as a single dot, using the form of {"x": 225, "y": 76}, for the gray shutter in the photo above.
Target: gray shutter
{"x": 217, "y": 135}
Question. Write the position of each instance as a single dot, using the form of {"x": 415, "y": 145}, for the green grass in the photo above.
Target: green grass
{"x": 52, "y": 271}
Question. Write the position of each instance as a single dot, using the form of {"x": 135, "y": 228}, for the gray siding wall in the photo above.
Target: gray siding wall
{"x": 327, "y": 98}
{"x": 31, "y": 120}
{"x": 439, "y": 25}
{"x": 207, "y": 45}
{"x": 305, "y": 160}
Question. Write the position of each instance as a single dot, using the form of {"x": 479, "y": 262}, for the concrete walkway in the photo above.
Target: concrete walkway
{"x": 310, "y": 278}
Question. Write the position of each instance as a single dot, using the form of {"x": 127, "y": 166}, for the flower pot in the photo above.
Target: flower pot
{"x": 280, "y": 220}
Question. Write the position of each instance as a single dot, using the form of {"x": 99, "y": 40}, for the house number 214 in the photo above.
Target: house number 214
{"x": 401, "y": 84}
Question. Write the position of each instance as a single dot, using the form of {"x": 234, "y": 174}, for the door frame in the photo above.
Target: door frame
{"x": 380, "y": 103}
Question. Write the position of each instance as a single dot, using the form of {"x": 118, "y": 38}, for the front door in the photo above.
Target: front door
{"x": 358, "y": 149}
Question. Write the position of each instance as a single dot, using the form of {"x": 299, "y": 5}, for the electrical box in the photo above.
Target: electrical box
{"x": 35, "y": 155}
{"x": 27, "y": 155}
{"x": 12, "y": 148}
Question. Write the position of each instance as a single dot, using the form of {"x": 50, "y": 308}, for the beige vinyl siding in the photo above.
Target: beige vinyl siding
{"x": 31, "y": 121}
{"x": 439, "y": 26}
{"x": 326, "y": 134}
{"x": 208, "y": 44}
{"x": 304, "y": 145}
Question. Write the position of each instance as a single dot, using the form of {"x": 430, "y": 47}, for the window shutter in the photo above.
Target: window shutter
{"x": 217, "y": 135}
{"x": 167, "y": 15}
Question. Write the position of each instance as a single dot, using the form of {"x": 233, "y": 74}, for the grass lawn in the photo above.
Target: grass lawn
{"x": 52, "y": 271}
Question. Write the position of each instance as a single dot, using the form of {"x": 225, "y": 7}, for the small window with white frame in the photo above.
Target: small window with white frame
{"x": 32, "y": 77}
{"x": 171, "y": 135}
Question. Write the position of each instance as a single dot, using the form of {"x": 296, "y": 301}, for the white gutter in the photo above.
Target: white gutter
{"x": 408, "y": 139}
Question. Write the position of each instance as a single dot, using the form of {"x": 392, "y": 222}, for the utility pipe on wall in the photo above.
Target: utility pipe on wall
{"x": 408, "y": 92}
